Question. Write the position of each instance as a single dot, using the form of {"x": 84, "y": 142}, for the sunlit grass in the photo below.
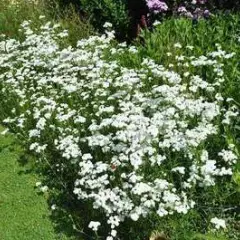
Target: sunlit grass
{"x": 24, "y": 213}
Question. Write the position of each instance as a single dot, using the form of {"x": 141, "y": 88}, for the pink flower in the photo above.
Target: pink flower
{"x": 157, "y": 6}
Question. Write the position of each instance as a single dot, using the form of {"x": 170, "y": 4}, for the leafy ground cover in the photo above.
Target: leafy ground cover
{"x": 24, "y": 213}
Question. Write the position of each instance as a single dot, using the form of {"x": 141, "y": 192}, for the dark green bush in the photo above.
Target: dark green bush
{"x": 225, "y": 4}
{"x": 116, "y": 11}
{"x": 101, "y": 11}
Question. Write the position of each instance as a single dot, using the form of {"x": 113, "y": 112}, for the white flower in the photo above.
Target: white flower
{"x": 177, "y": 45}
{"x": 134, "y": 216}
{"x": 38, "y": 184}
{"x": 53, "y": 207}
{"x": 41, "y": 123}
{"x": 156, "y": 23}
{"x": 80, "y": 119}
{"x": 44, "y": 188}
{"x": 94, "y": 225}
{"x": 41, "y": 17}
{"x": 181, "y": 170}
{"x": 107, "y": 25}
{"x": 114, "y": 233}
{"x": 86, "y": 156}
{"x": 219, "y": 223}
{"x": 34, "y": 133}
{"x": 228, "y": 156}
{"x": 109, "y": 238}
{"x": 162, "y": 212}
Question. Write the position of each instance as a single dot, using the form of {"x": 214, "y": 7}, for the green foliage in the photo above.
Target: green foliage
{"x": 113, "y": 11}
{"x": 208, "y": 236}
{"x": 223, "y": 199}
{"x": 220, "y": 29}
{"x": 225, "y": 4}
{"x": 236, "y": 179}
{"x": 13, "y": 14}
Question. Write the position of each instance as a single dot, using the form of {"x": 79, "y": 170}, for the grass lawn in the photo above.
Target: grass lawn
{"x": 24, "y": 213}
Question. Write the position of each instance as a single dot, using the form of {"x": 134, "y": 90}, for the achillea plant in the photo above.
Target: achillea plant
{"x": 129, "y": 140}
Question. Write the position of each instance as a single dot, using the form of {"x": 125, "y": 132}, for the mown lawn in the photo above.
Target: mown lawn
{"x": 24, "y": 213}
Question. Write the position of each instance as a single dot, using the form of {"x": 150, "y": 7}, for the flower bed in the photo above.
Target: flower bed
{"x": 132, "y": 140}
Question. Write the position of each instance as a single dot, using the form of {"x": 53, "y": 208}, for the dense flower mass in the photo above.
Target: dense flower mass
{"x": 136, "y": 136}
{"x": 157, "y": 6}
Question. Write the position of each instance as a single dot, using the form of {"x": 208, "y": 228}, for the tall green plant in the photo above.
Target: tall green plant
{"x": 12, "y": 14}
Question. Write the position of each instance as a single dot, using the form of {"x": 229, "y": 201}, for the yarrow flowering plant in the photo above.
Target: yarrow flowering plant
{"x": 129, "y": 140}
{"x": 193, "y": 8}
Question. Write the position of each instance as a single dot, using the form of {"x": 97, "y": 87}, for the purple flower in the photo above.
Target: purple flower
{"x": 157, "y": 6}
{"x": 206, "y": 13}
{"x": 182, "y": 9}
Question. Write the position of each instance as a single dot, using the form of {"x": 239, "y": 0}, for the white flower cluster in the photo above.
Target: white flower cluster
{"x": 218, "y": 223}
{"x": 137, "y": 136}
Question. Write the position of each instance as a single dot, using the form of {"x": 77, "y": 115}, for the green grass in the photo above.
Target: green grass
{"x": 24, "y": 213}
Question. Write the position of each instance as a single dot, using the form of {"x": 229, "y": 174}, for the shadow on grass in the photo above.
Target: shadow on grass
{"x": 62, "y": 223}
{"x": 71, "y": 217}
{"x": 67, "y": 218}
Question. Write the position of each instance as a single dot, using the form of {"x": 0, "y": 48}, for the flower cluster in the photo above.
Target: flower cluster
{"x": 134, "y": 138}
{"x": 194, "y": 9}
{"x": 191, "y": 9}
{"x": 218, "y": 223}
{"x": 157, "y": 6}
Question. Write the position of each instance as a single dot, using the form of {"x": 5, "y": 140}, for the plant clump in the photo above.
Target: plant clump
{"x": 129, "y": 140}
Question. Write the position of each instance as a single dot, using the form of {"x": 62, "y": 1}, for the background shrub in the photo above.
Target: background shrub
{"x": 101, "y": 11}
{"x": 225, "y": 4}
{"x": 116, "y": 11}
